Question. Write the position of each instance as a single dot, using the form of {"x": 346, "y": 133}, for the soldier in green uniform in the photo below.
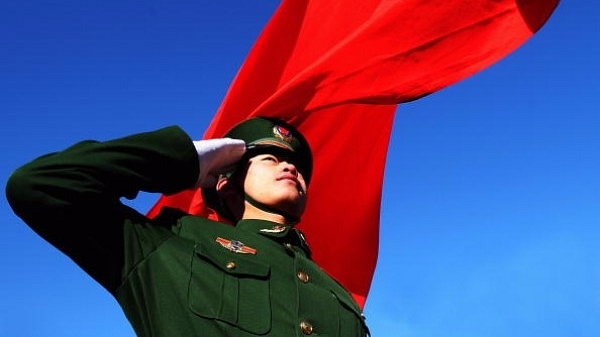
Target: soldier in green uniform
{"x": 181, "y": 275}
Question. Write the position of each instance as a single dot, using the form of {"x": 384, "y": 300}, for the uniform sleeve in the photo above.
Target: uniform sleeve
{"x": 72, "y": 198}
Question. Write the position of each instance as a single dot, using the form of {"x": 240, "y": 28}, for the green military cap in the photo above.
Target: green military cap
{"x": 266, "y": 135}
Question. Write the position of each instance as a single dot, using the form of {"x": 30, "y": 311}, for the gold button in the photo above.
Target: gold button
{"x": 302, "y": 276}
{"x": 306, "y": 328}
{"x": 230, "y": 265}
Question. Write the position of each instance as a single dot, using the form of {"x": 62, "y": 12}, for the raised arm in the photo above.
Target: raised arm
{"x": 72, "y": 198}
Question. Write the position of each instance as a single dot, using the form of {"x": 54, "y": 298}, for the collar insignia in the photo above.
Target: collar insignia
{"x": 274, "y": 229}
{"x": 235, "y": 246}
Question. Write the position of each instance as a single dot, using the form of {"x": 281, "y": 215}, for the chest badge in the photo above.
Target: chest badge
{"x": 235, "y": 246}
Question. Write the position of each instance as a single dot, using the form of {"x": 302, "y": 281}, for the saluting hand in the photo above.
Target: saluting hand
{"x": 217, "y": 156}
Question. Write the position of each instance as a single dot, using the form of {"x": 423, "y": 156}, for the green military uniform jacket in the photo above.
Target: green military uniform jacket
{"x": 176, "y": 275}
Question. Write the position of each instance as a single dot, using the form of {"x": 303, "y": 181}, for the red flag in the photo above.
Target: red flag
{"x": 337, "y": 70}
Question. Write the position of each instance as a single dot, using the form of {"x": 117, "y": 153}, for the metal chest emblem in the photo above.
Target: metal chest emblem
{"x": 235, "y": 246}
{"x": 274, "y": 229}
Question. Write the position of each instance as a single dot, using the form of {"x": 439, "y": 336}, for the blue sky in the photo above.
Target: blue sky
{"x": 491, "y": 200}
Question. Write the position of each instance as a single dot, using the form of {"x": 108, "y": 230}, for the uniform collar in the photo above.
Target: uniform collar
{"x": 265, "y": 227}
{"x": 275, "y": 231}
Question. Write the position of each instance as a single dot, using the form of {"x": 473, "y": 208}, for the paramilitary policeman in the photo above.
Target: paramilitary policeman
{"x": 181, "y": 275}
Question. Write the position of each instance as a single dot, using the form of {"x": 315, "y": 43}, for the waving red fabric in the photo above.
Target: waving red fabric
{"x": 337, "y": 70}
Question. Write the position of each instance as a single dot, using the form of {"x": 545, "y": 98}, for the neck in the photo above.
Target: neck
{"x": 252, "y": 212}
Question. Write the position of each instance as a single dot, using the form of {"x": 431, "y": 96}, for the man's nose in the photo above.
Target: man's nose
{"x": 290, "y": 167}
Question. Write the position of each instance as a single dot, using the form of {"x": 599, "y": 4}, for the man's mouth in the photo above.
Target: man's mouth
{"x": 293, "y": 179}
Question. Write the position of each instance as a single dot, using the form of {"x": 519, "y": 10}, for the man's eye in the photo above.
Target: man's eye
{"x": 271, "y": 158}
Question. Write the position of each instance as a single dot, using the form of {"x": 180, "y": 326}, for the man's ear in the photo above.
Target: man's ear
{"x": 231, "y": 198}
{"x": 222, "y": 184}
{"x": 227, "y": 190}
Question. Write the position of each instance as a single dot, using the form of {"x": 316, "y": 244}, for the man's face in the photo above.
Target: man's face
{"x": 273, "y": 180}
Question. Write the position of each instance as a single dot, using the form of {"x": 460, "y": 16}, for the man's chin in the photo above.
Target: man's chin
{"x": 293, "y": 209}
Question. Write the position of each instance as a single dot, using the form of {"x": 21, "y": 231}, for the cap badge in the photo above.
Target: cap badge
{"x": 235, "y": 246}
{"x": 282, "y": 133}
